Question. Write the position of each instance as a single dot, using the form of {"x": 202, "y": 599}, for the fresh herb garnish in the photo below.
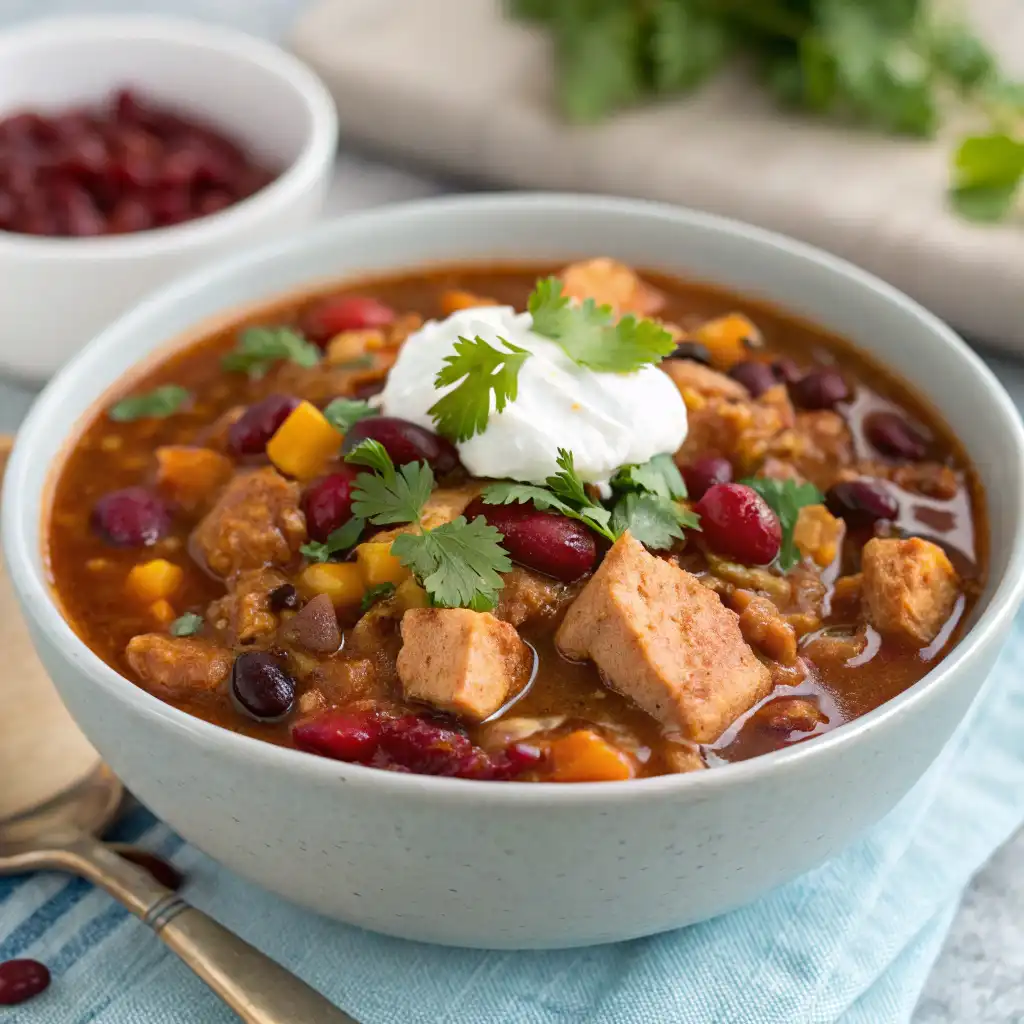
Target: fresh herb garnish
{"x": 988, "y": 175}
{"x": 482, "y": 369}
{"x": 159, "y": 403}
{"x": 660, "y": 476}
{"x": 589, "y": 334}
{"x": 344, "y": 413}
{"x": 339, "y": 540}
{"x": 186, "y": 625}
{"x": 458, "y": 563}
{"x": 786, "y": 498}
{"x": 260, "y": 347}
{"x": 657, "y": 522}
{"x": 378, "y": 592}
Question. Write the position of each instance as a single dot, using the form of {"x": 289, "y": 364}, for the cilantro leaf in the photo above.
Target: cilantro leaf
{"x": 482, "y": 369}
{"x": 344, "y": 413}
{"x": 260, "y": 347}
{"x": 786, "y": 498}
{"x": 660, "y": 476}
{"x": 656, "y": 521}
{"x": 590, "y": 337}
{"x": 988, "y": 172}
{"x": 337, "y": 541}
{"x": 390, "y": 495}
{"x": 159, "y": 403}
{"x": 458, "y": 563}
{"x": 186, "y": 625}
{"x": 378, "y": 592}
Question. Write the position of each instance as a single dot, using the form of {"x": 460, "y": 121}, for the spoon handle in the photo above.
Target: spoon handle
{"x": 257, "y": 988}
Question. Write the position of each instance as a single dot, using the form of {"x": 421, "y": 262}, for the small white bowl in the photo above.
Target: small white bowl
{"x": 56, "y": 293}
{"x": 518, "y": 864}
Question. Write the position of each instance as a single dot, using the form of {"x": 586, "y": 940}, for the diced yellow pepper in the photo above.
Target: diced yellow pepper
{"x": 584, "y": 756}
{"x": 410, "y": 594}
{"x": 342, "y": 582}
{"x": 155, "y": 579}
{"x": 162, "y": 611}
{"x": 378, "y": 565}
{"x": 304, "y": 443}
{"x": 349, "y": 345}
{"x": 728, "y": 339}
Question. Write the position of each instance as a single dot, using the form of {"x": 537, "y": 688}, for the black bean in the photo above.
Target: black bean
{"x": 260, "y": 686}
{"x": 692, "y": 350}
{"x": 283, "y": 597}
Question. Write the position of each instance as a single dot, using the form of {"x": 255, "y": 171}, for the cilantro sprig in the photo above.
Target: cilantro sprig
{"x": 378, "y": 592}
{"x": 480, "y": 370}
{"x": 338, "y": 541}
{"x": 344, "y": 413}
{"x": 786, "y": 498}
{"x": 186, "y": 625}
{"x": 648, "y": 505}
{"x": 159, "y": 403}
{"x": 259, "y": 348}
{"x": 590, "y": 335}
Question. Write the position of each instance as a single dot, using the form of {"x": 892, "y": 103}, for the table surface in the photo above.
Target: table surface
{"x": 977, "y": 979}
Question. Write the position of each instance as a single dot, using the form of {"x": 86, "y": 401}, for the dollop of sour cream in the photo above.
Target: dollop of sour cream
{"x": 606, "y": 420}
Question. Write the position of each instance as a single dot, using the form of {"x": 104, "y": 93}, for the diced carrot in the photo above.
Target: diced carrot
{"x": 162, "y": 611}
{"x": 191, "y": 476}
{"x": 342, "y": 582}
{"x": 155, "y": 579}
{"x": 728, "y": 339}
{"x": 584, "y": 756}
{"x": 378, "y": 565}
{"x": 304, "y": 443}
{"x": 349, "y": 345}
{"x": 817, "y": 534}
{"x": 456, "y": 299}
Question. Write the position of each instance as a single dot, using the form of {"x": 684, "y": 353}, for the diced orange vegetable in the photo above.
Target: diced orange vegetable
{"x": 728, "y": 339}
{"x": 584, "y": 756}
{"x": 378, "y": 565}
{"x": 304, "y": 443}
{"x": 456, "y": 299}
{"x": 817, "y": 534}
{"x": 349, "y": 345}
{"x": 410, "y": 594}
{"x": 342, "y": 582}
{"x": 191, "y": 476}
{"x": 162, "y": 611}
{"x": 155, "y": 579}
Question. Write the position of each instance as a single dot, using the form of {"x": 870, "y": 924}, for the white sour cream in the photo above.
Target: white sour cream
{"x": 606, "y": 420}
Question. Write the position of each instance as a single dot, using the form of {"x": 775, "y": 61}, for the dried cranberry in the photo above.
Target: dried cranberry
{"x": 283, "y": 597}
{"x": 895, "y": 436}
{"x": 250, "y": 433}
{"x": 786, "y": 370}
{"x": 755, "y": 376}
{"x": 343, "y": 735}
{"x": 546, "y": 541}
{"x": 328, "y": 502}
{"x": 861, "y": 503}
{"x": 692, "y": 350}
{"x": 819, "y": 389}
{"x": 738, "y": 523}
{"x": 345, "y": 313}
{"x": 704, "y": 473}
{"x": 405, "y": 442}
{"x": 260, "y": 687}
{"x": 132, "y": 518}
{"x": 166, "y": 874}
{"x": 21, "y": 980}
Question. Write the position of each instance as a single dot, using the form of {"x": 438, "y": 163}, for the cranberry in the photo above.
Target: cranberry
{"x": 692, "y": 350}
{"x": 21, "y": 980}
{"x": 405, "y": 442}
{"x": 260, "y": 687}
{"x": 250, "y": 433}
{"x": 755, "y": 376}
{"x": 861, "y": 503}
{"x": 131, "y": 518}
{"x": 819, "y": 389}
{"x": 345, "y": 313}
{"x": 328, "y": 502}
{"x": 546, "y": 541}
{"x": 786, "y": 370}
{"x": 737, "y": 522}
{"x": 343, "y": 735}
{"x": 894, "y": 436}
{"x": 704, "y": 473}
{"x": 166, "y": 874}
{"x": 283, "y": 597}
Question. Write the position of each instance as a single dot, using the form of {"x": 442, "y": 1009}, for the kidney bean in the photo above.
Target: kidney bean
{"x": 343, "y": 735}
{"x": 546, "y": 541}
{"x": 861, "y": 503}
{"x": 133, "y": 517}
{"x": 786, "y": 371}
{"x": 755, "y": 376}
{"x": 328, "y": 502}
{"x": 21, "y": 980}
{"x": 738, "y": 523}
{"x": 405, "y": 442}
{"x": 692, "y": 350}
{"x": 704, "y": 473}
{"x": 345, "y": 313}
{"x": 895, "y": 436}
{"x": 819, "y": 389}
{"x": 249, "y": 434}
{"x": 260, "y": 687}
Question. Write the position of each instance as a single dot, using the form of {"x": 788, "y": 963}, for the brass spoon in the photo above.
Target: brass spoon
{"x": 60, "y": 835}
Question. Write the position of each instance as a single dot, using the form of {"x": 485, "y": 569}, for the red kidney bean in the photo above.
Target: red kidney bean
{"x": 895, "y": 436}
{"x": 692, "y": 350}
{"x": 343, "y": 735}
{"x": 21, "y": 980}
{"x": 546, "y": 541}
{"x": 861, "y": 503}
{"x": 345, "y": 313}
{"x": 786, "y": 370}
{"x": 249, "y": 434}
{"x": 328, "y": 502}
{"x": 738, "y": 523}
{"x": 131, "y": 518}
{"x": 755, "y": 376}
{"x": 166, "y": 874}
{"x": 819, "y": 389}
{"x": 405, "y": 442}
{"x": 704, "y": 473}
{"x": 260, "y": 687}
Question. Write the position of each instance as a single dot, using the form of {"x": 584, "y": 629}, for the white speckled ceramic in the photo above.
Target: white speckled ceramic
{"x": 517, "y": 865}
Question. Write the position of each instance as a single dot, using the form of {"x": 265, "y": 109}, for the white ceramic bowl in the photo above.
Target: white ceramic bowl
{"x": 513, "y": 864}
{"x": 56, "y": 293}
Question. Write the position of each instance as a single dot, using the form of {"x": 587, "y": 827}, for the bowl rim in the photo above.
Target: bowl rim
{"x": 38, "y": 603}
{"x": 319, "y": 147}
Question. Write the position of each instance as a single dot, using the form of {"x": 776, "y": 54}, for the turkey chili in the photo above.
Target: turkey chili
{"x": 554, "y": 524}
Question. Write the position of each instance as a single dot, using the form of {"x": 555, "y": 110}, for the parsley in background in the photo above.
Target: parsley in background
{"x": 159, "y": 403}
{"x": 786, "y": 498}
{"x": 260, "y": 347}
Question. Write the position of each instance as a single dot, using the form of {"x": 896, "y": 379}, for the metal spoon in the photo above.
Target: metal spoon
{"x": 60, "y": 835}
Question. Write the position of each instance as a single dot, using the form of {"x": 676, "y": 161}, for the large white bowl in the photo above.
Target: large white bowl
{"x": 507, "y": 864}
{"x": 56, "y": 293}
